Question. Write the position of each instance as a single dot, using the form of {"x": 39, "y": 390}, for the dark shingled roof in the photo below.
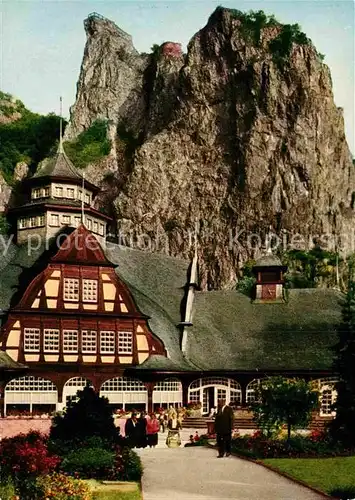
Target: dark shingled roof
{"x": 58, "y": 165}
{"x": 232, "y": 333}
{"x": 268, "y": 260}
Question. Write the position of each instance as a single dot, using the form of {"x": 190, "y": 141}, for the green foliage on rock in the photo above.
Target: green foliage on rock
{"x": 90, "y": 146}
{"x": 280, "y": 401}
{"x": 4, "y": 226}
{"x": 29, "y": 138}
{"x": 342, "y": 428}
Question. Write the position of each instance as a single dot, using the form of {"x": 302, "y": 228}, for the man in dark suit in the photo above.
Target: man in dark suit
{"x": 131, "y": 431}
{"x": 223, "y": 425}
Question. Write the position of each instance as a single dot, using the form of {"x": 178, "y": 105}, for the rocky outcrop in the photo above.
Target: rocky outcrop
{"x": 235, "y": 142}
{"x": 5, "y": 194}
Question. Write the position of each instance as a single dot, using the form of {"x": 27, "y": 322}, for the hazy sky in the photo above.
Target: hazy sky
{"x": 42, "y": 41}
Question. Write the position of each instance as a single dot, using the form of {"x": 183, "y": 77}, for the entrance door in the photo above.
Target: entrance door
{"x": 211, "y": 395}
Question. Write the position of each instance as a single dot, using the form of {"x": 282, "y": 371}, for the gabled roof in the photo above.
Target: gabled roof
{"x": 81, "y": 247}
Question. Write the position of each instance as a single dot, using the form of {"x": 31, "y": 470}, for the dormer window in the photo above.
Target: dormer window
{"x": 59, "y": 192}
{"x": 87, "y": 199}
{"x": 37, "y": 193}
{"x": 46, "y": 191}
{"x": 70, "y": 193}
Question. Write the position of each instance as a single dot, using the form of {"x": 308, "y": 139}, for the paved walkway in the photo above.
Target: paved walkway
{"x": 196, "y": 474}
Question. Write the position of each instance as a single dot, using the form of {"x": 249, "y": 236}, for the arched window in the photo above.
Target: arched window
{"x": 251, "y": 388}
{"x": 328, "y": 394}
{"x": 125, "y": 392}
{"x": 72, "y": 386}
{"x": 168, "y": 392}
{"x": 209, "y": 390}
{"x": 123, "y": 384}
{"x": 30, "y": 391}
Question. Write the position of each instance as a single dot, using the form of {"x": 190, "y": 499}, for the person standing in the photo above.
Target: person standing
{"x": 142, "y": 431}
{"x": 152, "y": 430}
{"x": 223, "y": 425}
{"x": 131, "y": 429}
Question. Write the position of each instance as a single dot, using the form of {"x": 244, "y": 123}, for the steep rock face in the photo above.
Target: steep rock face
{"x": 234, "y": 146}
{"x": 5, "y": 193}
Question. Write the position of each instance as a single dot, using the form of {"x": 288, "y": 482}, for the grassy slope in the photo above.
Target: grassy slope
{"x": 114, "y": 491}
{"x": 325, "y": 474}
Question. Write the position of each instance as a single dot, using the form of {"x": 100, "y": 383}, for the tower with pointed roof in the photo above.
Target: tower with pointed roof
{"x": 57, "y": 196}
{"x": 269, "y": 273}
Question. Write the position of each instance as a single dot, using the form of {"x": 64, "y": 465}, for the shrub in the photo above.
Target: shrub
{"x": 343, "y": 492}
{"x": 7, "y": 490}
{"x": 61, "y": 487}
{"x": 23, "y": 458}
{"x": 128, "y": 465}
{"x": 89, "y": 463}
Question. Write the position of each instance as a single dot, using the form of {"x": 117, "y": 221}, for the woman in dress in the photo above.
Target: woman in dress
{"x": 152, "y": 430}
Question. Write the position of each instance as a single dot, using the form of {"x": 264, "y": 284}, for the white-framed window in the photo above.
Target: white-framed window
{"x": 107, "y": 342}
{"x": 30, "y": 383}
{"x": 251, "y": 388}
{"x": 70, "y": 340}
{"x": 77, "y": 221}
{"x": 71, "y": 289}
{"x": 31, "y": 339}
{"x": 33, "y": 222}
{"x": 80, "y": 194}
{"x": 90, "y": 291}
{"x": 37, "y": 193}
{"x": 54, "y": 220}
{"x": 70, "y": 193}
{"x": 89, "y": 224}
{"x": 46, "y": 191}
{"x": 66, "y": 219}
{"x": 125, "y": 342}
{"x": 23, "y": 223}
{"x": 59, "y": 192}
{"x": 87, "y": 198}
{"x": 95, "y": 226}
{"x": 102, "y": 229}
{"x": 89, "y": 341}
{"x": 51, "y": 340}
{"x": 124, "y": 384}
{"x": 41, "y": 220}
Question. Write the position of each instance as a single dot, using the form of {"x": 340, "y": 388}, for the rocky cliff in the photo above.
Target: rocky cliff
{"x": 239, "y": 136}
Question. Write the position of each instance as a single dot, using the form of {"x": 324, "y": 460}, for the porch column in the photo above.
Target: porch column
{"x": 2, "y": 398}
{"x": 150, "y": 388}
{"x": 185, "y": 392}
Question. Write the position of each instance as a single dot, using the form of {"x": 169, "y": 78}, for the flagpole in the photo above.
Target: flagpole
{"x": 61, "y": 126}
{"x": 82, "y": 200}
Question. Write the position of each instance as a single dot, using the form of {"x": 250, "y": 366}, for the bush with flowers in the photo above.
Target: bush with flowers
{"x": 23, "y": 458}
{"x": 317, "y": 444}
{"x": 61, "y": 487}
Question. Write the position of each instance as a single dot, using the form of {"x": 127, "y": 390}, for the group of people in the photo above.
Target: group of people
{"x": 142, "y": 431}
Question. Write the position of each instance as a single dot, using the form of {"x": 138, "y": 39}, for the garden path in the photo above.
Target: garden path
{"x": 196, "y": 474}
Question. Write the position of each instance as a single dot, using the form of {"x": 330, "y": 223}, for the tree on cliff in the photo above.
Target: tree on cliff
{"x": 342, "y": 428}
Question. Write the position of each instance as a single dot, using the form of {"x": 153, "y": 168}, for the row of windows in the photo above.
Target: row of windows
{"x": 64, "y": 220}
{"x": 89, "y": 290}
{"x": 108, "y": 340}
{"x": 60, "y": 192}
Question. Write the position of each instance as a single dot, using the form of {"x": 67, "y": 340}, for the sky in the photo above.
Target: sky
{"x": 42, "y": 41}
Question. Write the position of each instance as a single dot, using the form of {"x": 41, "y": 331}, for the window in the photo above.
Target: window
{"x": 89, "y": 290}
{"x": 30, "y": 383}
{"x": 70, "y": 341}
{"x": 80, "y": 194}
{"x": 89, "y": 341}
{"x": 46, "y": 191}
{"x": 66, "y": 219}
{"x": 102, "y": 229}
{"x": 89, "y": 224}
{"x": 107, "y": 342}
{"x": 95, "y": 227}
{"x": 23, "y": 223}
{"x": 125, "y": 342}
{"x": 51, "y": 340}
{"x": 31, "y": 340}
{"x": 123, "y": 384}
{"x": 87, "y": 199}
{"x": 71, "y": 289}
{"x": 77, "y": 221}
{"x": 54, "y": 220}
{"x": 59, "y": 192}
{"x": 41, "y": 220}
{"x": 33, "y": 222}
{"x": 70, "y": 193}
{"x": 37, "y": 193}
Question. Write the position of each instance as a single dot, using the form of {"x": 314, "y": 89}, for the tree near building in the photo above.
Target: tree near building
{"x": 86, "y": 418}
{"x": 280, "y": 401}
{"x": 342, "y": 428}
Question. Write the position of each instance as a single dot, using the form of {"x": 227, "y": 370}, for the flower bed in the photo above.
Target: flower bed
{"x": 315, "y": 445}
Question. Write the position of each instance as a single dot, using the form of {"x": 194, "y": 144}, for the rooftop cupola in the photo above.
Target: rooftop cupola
{"x": 269, "y": 273}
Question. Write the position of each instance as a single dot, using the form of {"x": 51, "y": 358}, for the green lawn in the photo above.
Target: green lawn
{"x": 326, "y": 474}
{"x": 115, "y": 490}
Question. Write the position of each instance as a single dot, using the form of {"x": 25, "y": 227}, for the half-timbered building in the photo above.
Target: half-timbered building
{"x": 137, "y": 328}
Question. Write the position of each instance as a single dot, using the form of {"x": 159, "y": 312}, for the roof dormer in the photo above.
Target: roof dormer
{"x": 269, "y": 273}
